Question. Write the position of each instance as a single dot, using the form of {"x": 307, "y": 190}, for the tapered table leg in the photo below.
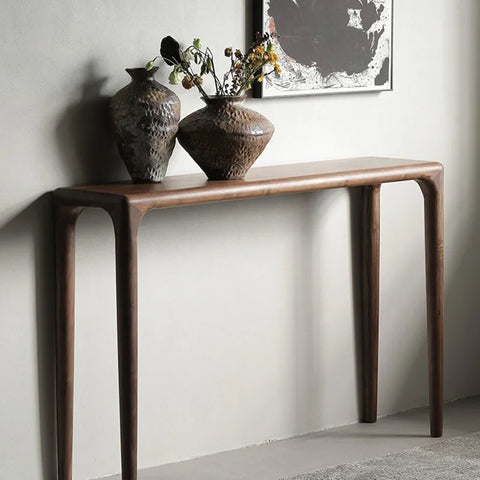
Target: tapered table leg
{"x": 434, "y": 261}
{"x": 126, "y": 220}
{"x": 65, "y": 219}
{"x": 370, "y": 297}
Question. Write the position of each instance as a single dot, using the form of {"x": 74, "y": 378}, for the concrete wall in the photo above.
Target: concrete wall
{"x": 246, "y": 308}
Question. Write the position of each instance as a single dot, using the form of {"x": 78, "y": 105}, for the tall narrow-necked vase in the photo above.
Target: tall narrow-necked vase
{"x": 224, "y": 137}
{"x": 145, "y": 117}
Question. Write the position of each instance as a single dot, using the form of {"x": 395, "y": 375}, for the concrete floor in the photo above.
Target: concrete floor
{"x": 276, "y": 460}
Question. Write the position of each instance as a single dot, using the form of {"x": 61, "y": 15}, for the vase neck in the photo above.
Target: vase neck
{"x": 142, "y": 75}
{"x": 223, "y": 101}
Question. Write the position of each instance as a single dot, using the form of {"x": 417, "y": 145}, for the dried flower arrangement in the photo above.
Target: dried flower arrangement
{"x": 245, "y": 68}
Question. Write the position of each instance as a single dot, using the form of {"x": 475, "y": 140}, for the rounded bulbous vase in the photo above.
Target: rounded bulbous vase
{"x": 145, "y": 117}
{"x": 225, "y": 137}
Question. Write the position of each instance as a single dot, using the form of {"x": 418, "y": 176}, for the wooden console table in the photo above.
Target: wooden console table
{"x": 127, "y": 203}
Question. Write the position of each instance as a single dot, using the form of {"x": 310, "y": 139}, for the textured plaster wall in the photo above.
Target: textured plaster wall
{"x": 247, "y": 318}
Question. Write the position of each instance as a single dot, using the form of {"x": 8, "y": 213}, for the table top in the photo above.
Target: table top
{"x": 262, "y": 181}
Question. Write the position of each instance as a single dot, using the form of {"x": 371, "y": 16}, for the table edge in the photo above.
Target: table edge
{"x": 231, "y": 190}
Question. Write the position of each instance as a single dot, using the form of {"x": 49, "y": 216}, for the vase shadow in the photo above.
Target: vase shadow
{"x": 84, "y": 135}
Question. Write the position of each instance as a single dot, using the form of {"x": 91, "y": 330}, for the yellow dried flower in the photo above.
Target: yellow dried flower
{"x": 273, "y": 57}
{"x": 261, "y": 77}
{"x": 277, "y": 68}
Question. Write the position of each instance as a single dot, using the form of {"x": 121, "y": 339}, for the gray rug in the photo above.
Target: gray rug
{"x": 453, "y": 459}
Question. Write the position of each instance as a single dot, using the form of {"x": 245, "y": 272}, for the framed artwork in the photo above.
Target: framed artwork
{"x": 327, "y": 46}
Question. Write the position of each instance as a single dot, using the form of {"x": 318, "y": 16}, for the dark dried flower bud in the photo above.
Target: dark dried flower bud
{"x": 228, "y": 52}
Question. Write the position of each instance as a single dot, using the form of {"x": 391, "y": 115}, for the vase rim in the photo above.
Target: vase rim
{"x": 215, "y": 99}
{"x": 139, "y": 69}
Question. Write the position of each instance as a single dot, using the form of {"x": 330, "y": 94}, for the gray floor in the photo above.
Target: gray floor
{"x": 330, "y": 447}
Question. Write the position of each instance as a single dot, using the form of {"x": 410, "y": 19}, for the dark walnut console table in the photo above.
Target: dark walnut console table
{"x": 127, "y": 203}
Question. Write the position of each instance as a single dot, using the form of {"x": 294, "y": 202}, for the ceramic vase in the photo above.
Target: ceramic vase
{"x": 225, "y": 137}
{"x": 145, "y": 118}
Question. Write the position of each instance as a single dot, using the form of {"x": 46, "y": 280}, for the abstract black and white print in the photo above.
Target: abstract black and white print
{"x": 328, "y": 46}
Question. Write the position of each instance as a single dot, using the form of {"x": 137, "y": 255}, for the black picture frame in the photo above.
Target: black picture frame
{"x": 327, "y": 46}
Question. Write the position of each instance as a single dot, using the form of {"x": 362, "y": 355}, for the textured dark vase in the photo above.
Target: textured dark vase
{"x": 225, "y": 138}
{"x": 145, "y": 118}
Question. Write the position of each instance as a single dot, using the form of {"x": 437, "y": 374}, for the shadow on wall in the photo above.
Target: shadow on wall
{"x": 36, "y": 221}
{"x": 462, "y": 282}
{"x": 462, "y": 274}
{"x": 88, "y": 154}
{"x": 307, "y": 338}
{"x": 462, "y": 268}
{"x": 84, "y": 135}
